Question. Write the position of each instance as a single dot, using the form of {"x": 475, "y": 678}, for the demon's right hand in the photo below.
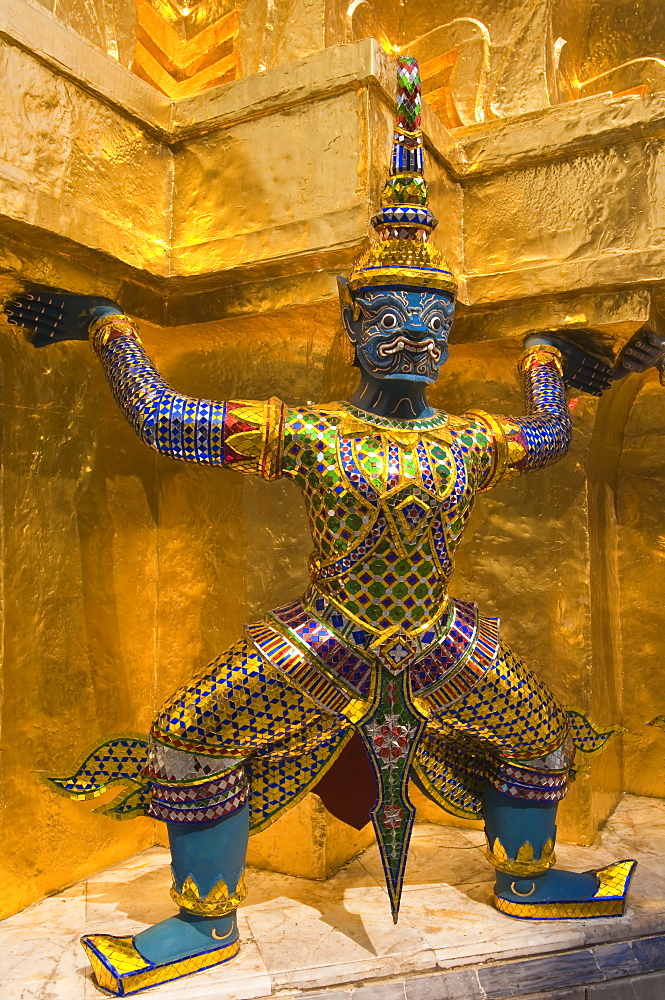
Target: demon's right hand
{"x": 54, "y": 316}
{"x": 581, "y": 370}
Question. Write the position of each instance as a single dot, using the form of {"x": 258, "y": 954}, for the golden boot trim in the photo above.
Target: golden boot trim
{"x": 122, "y": 971}
{"x": 525, "y": 864}
{"x": 609, "y": 899}
{"x": 218, "y": 903}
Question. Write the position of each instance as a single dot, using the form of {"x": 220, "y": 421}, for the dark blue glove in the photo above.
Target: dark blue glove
{"x": 55, "y": 316}
{"x": 645, "y": 349}
{"x": 581, "y": 370}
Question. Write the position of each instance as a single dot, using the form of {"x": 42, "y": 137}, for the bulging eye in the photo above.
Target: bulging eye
{"x": 435, "y": 323}
{"x": 389, "y": 321}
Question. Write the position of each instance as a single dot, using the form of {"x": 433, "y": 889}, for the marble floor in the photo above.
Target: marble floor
{"x": 303, "y": 935}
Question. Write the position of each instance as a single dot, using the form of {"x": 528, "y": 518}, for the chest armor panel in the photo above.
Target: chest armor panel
{"x": 410, "y": 487}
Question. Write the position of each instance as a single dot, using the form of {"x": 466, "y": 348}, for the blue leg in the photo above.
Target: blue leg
{"x": 205, "y": 853}
{"x": 521, "y": 836}
{"x": 207, "y": 863}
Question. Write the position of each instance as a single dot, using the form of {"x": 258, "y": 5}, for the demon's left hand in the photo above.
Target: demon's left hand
{"x": 53, "y": 316}
{"x": 581, "y": 370}
{"x": 645, "y": 349}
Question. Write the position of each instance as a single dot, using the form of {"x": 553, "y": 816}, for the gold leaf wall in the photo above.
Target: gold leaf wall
{"x": 481, "y": 59}
{"x": 220, "y": 220}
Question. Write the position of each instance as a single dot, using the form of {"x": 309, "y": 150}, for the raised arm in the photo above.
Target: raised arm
{"x": 240, "y": 434}
{"x": 551, "y": 363}
{"x": 542, "y": 436}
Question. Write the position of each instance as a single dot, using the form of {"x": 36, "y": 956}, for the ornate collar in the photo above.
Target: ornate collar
{"x": 407, "y": 433}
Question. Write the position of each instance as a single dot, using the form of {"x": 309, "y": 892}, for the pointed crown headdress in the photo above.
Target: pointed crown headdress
{"x": 403, "y": 255}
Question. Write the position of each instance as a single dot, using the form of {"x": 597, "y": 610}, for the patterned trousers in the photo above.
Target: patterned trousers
{"x": 243, "y": 730}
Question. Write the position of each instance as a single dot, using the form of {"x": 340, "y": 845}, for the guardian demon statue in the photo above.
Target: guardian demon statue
{"x": 376, "y": 649}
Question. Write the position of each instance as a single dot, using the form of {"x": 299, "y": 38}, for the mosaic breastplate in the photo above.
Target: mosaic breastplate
{"x": 387, "y": 504}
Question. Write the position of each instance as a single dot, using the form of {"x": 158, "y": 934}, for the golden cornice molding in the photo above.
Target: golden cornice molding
{"x": 252, "y": 195}
{"x": 35, "y": 30}
{"x": 564, "y": 129}
{"x": 561, "y": 130}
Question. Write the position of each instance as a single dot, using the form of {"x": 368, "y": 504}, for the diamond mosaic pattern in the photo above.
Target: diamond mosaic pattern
{"x": 245, "y": 706}
{"x": 119, "y": 759}
{"x": 170, "y": 766}
{"x": 511, "y": 710}
{"x": 400, "y": 215}
{"x": 589, "y": 739}
{"x": 405, "y": 190}
{"x": 224, "y": 795}
{"x": 239, "y": 704}
{"x": 408, "y": 93}
{"x": 282, "y": 777}
{"x": 494, "y": 732}
{"x": 245, "y": 435}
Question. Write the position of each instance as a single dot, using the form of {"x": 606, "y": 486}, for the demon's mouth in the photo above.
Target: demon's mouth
{"x": 402, "y": 343}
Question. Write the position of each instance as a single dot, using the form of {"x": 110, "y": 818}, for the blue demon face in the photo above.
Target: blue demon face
{"x": 400, "y": 333}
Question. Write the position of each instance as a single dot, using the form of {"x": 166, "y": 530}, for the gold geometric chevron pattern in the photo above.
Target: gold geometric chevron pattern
{"x": 218, "y": 903}
{"x": 437, "y": 75}
{"x": 183, "y": 48}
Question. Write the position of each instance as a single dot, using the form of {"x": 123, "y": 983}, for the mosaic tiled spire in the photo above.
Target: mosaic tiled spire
{"x": 403, "y": 254}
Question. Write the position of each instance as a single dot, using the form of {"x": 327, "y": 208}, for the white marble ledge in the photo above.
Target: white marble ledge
{"x": 300, "y": 935}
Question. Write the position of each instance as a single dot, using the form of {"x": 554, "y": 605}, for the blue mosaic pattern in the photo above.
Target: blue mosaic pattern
{"x": 405, "y": 158}
{"x": 546, "y": 437}
{"x": 245, "y": 435}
